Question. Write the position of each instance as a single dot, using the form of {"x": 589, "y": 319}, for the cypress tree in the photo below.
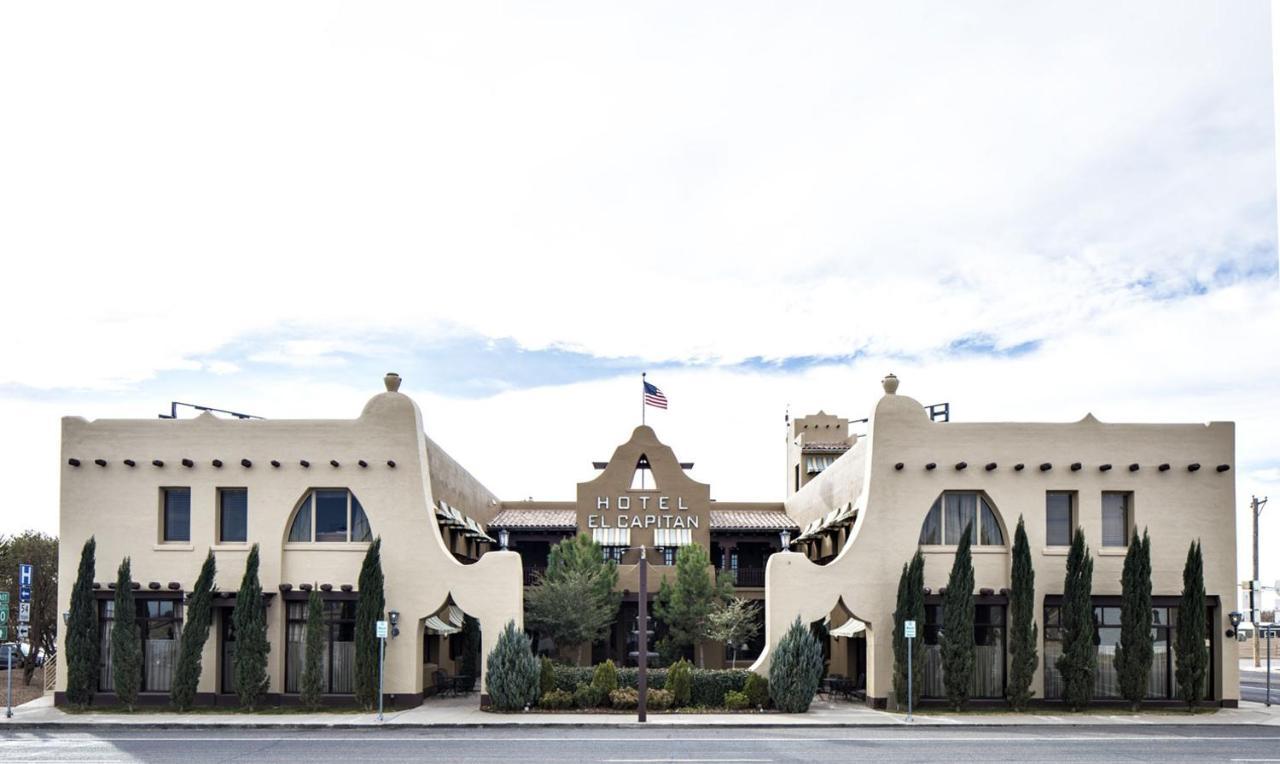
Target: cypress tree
{"x": 1022, "y": 625}
{"x": 369, "y": 608}
{"x": 126, "y": 643}
{"x": 82, "y": 644}
{"x": 313, "y": 666}
{"x": 1192, "y": 655}
{"x": 195, "y": 632}
{"x": 910, "y": 608}
{"x": 958, "y": 649}
{"x": 250, "y": 619}
{"x": 1135, "y": 650}
{"x": 1078, "y": 659}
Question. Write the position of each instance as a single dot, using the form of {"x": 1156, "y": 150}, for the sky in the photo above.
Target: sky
{"x": 1028, "y": 210}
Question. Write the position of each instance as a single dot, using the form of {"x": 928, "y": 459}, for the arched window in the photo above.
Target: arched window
{"x": 953, "y": 511}
{"x": 329, "y": 514}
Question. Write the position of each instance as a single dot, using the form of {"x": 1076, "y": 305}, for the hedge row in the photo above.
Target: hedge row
{"x": 709, "y": 685}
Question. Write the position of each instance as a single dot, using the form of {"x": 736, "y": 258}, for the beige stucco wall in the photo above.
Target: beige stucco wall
{"x": 1177, "y": 506}
{"x": 120, "y": 507}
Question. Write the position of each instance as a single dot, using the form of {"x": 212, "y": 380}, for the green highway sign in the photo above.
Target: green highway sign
{"x": 4, "y": 598}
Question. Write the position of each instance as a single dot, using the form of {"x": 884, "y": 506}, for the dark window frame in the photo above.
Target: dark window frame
{"x": 1073, "y": 519}
{"x": 170, "y": 535}
{"x": 223, "y": 493}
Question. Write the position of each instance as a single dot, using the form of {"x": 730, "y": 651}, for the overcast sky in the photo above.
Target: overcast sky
{"x": 1029, "y": 210}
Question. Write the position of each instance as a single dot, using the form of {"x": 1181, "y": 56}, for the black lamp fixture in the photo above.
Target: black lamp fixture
{"x": 504, "y": 537}
{"x": 784, "y": 537}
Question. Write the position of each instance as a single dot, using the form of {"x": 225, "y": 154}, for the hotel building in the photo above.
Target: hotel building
{"x": 313, "y": 494}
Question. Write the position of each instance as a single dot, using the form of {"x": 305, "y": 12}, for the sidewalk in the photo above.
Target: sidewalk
{"x": 463, "y": 712}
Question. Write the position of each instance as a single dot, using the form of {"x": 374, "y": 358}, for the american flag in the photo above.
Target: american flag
{"x": 654, "y": 397}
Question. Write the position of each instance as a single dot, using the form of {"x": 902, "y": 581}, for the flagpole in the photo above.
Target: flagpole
{"x": 642, "y": 375}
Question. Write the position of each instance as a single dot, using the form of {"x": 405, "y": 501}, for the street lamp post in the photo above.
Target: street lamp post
{"x": 642, "y": 638}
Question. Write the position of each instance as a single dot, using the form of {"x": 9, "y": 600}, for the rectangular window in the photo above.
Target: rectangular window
{"x": 1059, "y": 517}
{"x": 338, "y": 660}
{"x": 331, "y": 515}
{"x": 1115, "y": 518}
{"x": 233, "y": 514}
{"x": 159, "y": 626}
{"x": 989, "y": 653}
{"x": 1107, "y": 638}
{"x": 177, "y": 514}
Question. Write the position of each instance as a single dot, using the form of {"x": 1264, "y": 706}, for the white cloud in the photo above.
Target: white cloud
{"x": 190, "y": 195}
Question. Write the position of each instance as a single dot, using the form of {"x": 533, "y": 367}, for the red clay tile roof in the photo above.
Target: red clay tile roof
{"x": 550, "y": 519}
{"x": 725, "y": 520}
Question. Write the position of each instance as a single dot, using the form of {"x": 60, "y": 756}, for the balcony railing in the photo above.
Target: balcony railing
{"x": 748, "y": 576}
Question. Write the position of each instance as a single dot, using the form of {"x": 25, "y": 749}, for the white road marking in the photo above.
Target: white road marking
{"x": 1100, "y": 737}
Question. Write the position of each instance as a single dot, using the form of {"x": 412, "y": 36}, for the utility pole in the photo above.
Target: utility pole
{"x": 1255, "y": 506}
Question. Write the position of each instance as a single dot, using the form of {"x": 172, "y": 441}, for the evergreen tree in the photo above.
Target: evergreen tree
{"x": 958, "y": 648}
{"x": 513, "y": 675}
{"x": 575, "y": 564}
{"x": 796, "y": 670}
{"x": 685, "y": 606}
{"x": 195, "y": 632}
{"x": 126, "y": 643}
{"x": 370, "y": 605}
{"x": 910, "y": 607}
{"x": 1079, "y": 657}
{"x": 313, "y": 661}
{"x": 82, "y": 632}
{"x": 1022, "y": 625}
{"x": 1135, "y": 650}
{"x": 250, "y": 621}
{"x": 1192, "y": 655}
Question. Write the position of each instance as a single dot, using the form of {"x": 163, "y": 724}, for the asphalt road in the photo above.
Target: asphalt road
{"x": 1253, "y": 686}
{"x": 638, "y": 746}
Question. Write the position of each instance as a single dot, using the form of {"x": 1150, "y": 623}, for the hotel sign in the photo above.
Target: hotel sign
{"x": 643, "y": 511}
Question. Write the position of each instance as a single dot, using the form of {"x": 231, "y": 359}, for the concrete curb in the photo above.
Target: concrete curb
{"x": 296, "y": 727}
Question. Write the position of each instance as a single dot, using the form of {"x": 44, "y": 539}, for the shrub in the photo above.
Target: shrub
{"x": 589, "y": 696}
{"x": 736, "y": 701}
{"x": 796, "y": 670}
{"x": 547, "y": 676}
{"x": 513, "y": 671}
{"x": 757, "y": 690}
{"x": 680, "y": 683}
{"x": 709, "y": 685}
{"x": 556, "y": 700}
{"x": 659, "y": 700}
{"x": 624, "y": 698}
{"x": 605, "y": 676}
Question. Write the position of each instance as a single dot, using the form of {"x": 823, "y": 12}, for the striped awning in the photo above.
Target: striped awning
{"x": 611, "y": 536}
{"x": 826, "y": 522}
{"x": 819, "y": 462}
{"x": 447, "y": 621}
{"x": 672, "y": 536}
{"x": 849, "y": 628}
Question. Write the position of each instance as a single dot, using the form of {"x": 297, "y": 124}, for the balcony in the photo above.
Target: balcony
{"x": 748, "y": 577}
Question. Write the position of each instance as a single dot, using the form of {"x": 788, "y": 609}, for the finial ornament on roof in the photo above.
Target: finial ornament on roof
{"x": 890, "y": 384}
{"x": 392, "y": 381}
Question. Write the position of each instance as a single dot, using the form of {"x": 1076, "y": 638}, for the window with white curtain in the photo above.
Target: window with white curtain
{"x": 954, "y": 511}
{"x": 329, "y": 514}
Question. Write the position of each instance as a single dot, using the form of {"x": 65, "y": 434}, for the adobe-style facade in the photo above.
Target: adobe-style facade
{"x": 313, "y": 493}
